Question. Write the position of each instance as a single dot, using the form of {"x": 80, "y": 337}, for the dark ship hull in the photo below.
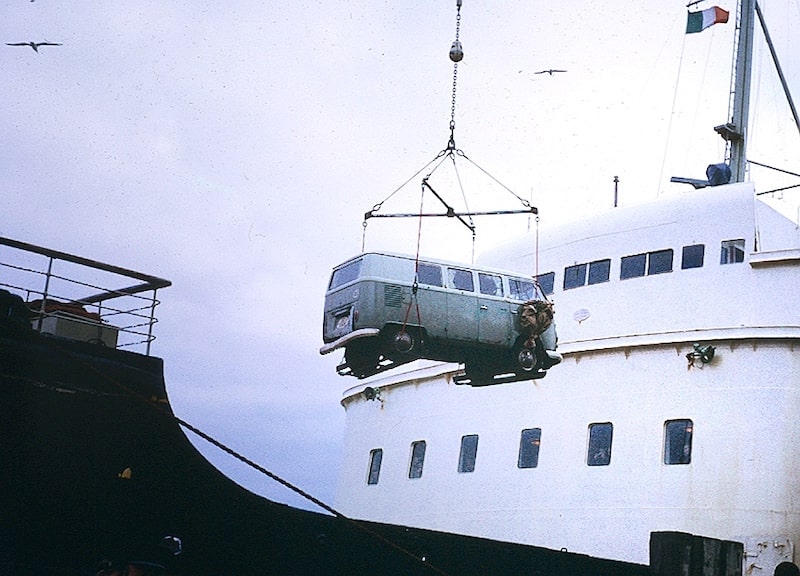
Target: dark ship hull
{"x": 94, "y": 465}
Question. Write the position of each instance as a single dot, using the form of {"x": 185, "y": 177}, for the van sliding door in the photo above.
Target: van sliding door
{"x": 494, "y": 317}
{"x": 462, "y": 305}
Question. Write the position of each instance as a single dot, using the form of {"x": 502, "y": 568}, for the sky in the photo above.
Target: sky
{"x": 233, "y": 148}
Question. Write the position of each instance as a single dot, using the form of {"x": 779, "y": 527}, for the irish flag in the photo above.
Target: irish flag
{"x": 699, "y": 21}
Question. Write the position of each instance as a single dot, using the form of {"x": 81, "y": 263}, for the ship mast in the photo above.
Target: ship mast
{"x": 737, "y": 129}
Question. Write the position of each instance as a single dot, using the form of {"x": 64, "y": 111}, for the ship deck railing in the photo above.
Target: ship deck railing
{"x": 80, "y": 298}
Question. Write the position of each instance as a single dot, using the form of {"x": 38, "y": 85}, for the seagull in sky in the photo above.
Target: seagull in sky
{"x": 34, "y": 45}
{"x": 551, "y": 71}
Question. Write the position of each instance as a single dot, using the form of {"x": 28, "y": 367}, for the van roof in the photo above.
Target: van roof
{"x": 441, "y": 262}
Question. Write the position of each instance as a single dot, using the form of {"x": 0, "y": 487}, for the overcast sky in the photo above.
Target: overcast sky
{"x": 233, "y": 148}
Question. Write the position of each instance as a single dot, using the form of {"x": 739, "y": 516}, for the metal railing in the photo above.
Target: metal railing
{"x": 71, "y": 294}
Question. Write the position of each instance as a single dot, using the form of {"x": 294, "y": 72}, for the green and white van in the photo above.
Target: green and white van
{"x": 388, "y": 309}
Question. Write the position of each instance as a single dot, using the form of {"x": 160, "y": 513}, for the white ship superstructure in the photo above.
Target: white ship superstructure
{"x": 675, "y": 407}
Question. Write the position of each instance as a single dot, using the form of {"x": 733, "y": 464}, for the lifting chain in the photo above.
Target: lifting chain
{"x": 456, "y": 55}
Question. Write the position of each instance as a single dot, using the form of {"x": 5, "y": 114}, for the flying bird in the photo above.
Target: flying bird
{"x": 551, "y": 71}
{"x": 34, "y": 45}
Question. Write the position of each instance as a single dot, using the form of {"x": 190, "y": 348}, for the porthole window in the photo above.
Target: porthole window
{"x": 468, "y": 453}
{"x": 375, "y": 457}
{"x": 417, "y": 459}
{"x": 529, "y": 442}
{"x": 678, "y": 441}
{"x": 600, "y": 436}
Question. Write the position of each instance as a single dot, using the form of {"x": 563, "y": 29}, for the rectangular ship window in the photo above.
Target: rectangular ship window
{"x": 693, "y": 256}
{"x": 678, "y": 441}
{"x": 659, "y": 262}
{"x": 632, "y": 266}
{"x": 429, "y": 274}
{"x": 600, "y": 436}
{"x": 375, "y": 457}
{"x": 468, "y": 454}
{"x": 574, "y": 276}
{"x": 417, "y": 459}
{"x": 529, "y": 442}
{"x": 732, "y": 252}
{"x": 547, "y": 282}
{"x": 599, "y": 271}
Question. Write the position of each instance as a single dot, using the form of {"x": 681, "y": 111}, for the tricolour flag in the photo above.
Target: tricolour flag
{"x": 699, "y": 21}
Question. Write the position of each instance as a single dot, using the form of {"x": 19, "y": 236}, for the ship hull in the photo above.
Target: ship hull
{"x": 95, "y": 466}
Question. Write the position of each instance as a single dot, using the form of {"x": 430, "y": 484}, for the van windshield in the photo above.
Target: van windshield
{"x": 345, "y": 274}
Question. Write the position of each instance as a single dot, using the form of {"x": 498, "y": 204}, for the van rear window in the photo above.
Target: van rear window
{"x": 345, "y": 274}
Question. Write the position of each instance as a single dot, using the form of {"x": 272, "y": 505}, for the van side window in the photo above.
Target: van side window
{"x": 345, "y": 274}
{"x": 490, "y": 284}
{"x": 460, "y": 279}
{"x": 522, "y": 290}
{"x": 429, "y": 274}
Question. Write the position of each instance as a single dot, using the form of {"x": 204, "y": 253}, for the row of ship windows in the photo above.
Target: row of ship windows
{"x": 637, "y": 265}
{"x": 677, "y": 449}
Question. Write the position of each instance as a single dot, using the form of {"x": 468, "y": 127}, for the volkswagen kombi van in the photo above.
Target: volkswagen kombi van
{"x": 388, "y": 309}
